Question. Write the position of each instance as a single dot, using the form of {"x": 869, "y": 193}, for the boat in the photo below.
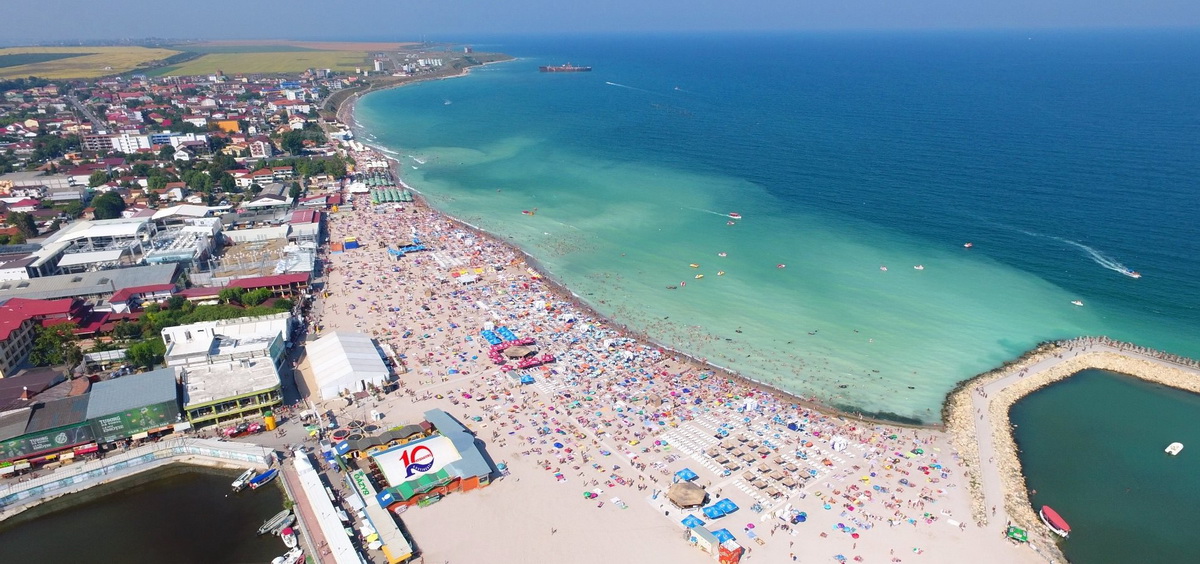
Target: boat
{"x": 243, "y": 480}
{"x": 672, "y": 287}
{"x": 1077, "y": 302}
{"x": 1131, "y": 273}
{"x": 720, "y": 254}
{"x": 263, "y": 478}
{"x": 781, "y": 265}
{"x": 968, "y": 245}
{"x": 883, "y": 268}
{"x": 293, "y": 556}
{"x": 699, "y": 276}
{"x": 288, "y": 535}
{"x": 275, "y": 522}
{"x": 694, "y": 265}
{"x": 1174, "y": 448}
{"x": 564, "y": 68}
{"x": 1053, "y": 520}
{"x": 730, "y": 223}
{"x": 735, "y": 215}
{"x": 919, "y": 267}
{"x": 720, "y": 273}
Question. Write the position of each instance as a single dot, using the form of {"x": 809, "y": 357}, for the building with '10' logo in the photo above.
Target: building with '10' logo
{"x": 419, "y": 464}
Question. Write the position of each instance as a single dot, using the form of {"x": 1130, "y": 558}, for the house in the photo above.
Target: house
{"x": 26, "y": 205}
{"x": 266, "y": 201}
{"x": 260, "y": 148}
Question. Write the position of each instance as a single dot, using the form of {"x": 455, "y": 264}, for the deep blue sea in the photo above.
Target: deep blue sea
{"x": 1064, "y": 157}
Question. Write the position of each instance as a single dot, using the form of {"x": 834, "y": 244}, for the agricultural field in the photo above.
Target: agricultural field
{"x": 76, "y": 62}
{"x": 268, "y": 62}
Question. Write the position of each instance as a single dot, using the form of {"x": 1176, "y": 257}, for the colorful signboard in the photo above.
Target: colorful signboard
{"x": 363, "y": 484}
{"x": 412, "y": 460}
{"x": 132, "y": 421}
{"x": 55, "y": 439}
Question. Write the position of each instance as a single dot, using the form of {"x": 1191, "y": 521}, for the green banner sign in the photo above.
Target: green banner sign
{"x": 130, "y": 422}
{"x": 25, "y": 445}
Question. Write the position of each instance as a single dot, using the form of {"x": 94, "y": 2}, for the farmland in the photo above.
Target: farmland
{"x": 268, "y": 62}
{"x": 76, "y": 62}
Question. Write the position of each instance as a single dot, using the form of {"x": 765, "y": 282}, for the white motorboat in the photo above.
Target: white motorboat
{"x": 1174, "y": 448}
{"x": 919, "y": 267}
{"x": 293, "y": 556}
{"x": 1077, "y": 302}
{"x": 244, "y": 479}
{"x": 288, "y": 535}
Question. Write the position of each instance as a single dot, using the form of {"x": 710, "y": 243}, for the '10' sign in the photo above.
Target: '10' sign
{"x": 419, "y": 459}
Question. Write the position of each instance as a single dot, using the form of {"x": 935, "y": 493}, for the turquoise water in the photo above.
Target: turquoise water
{"x": 1062, "y": 157}
{"x": 1092, "y": 447}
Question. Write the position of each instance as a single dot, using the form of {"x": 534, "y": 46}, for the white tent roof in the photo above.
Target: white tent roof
{"x": 345, "y": 361}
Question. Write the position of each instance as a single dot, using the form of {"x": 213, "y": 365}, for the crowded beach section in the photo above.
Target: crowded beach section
{"x": 598, "y": 430}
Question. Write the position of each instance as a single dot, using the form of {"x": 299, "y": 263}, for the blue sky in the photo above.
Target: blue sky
{"x": 408, "y": 19}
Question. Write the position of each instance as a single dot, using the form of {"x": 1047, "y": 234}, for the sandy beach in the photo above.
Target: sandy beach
{"x": 616, "y": 417}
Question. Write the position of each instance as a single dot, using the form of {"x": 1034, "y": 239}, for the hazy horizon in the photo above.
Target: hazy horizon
{"x": 378, "y": 20}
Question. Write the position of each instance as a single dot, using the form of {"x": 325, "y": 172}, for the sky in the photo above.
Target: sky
{"x": 57, "y": 20}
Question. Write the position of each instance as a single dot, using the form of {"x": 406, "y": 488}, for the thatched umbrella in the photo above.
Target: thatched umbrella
{"x": 773, "y": 492}
{"x": 686, "y": 494}
{"x": 778, "y": 460}
{"x": 764, "y": 468}
{"x": 776, "y": 475}
{"x": 788, "y": 482}
{"x": 519, "y": 351}
{"x": 790, "y": 467}
{"x": 749, "y": 476}
{"x": 760, "y": 485}
{"x": 764, "y": 450}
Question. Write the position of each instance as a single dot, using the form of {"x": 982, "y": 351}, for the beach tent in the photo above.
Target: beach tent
{"x": 712, "y": 512}
{"x": 726, "y": 506}
{"x": 346, "y": 361}
{"x": 692, "y": 521}
{"x": 526, "y": 379}
{"x": 723, "y": 535}
{"x": 686, "y": 475}
{"x": 1018, "y": 534}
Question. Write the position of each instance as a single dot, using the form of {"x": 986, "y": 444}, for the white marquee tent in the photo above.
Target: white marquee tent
{"x": 345, "y": 361}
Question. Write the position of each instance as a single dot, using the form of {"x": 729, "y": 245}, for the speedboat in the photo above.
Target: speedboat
{"x": 735, "y": 215}
{"x": 968, "y": 245}
{"x": 781, "y": 265}
{"x": 263, "y": 478}
{"x": 694, "y": 265}
{"x": 288, "y": 535}
{"x": 699, "y": 276}
{"x": 721, "y": 254}
{"x": 919, "y": 267}
{"x": 1174, "y": 448}
{"x": 720, "y": 273}
{"x": 1056, "y": 523}
{"x": 293, "y": 556}
{"x": 274, "y": 522}
{"x": 1077, "y": 302}
{"x": 883, "y": 268}
{"x": 1131, "y": 273}
{"x": 243, "y": 480}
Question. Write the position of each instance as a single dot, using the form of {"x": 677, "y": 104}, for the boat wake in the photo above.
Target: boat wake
{"x": 726, "y": 214}
{"x": 632, "y": 88}
{"x": 1096, "y": 255}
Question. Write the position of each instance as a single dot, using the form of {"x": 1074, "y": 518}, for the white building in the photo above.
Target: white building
{"x": 346, "y": 362}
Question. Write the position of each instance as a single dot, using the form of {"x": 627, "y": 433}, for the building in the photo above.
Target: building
{"x": 229, "y": 369}
{"x": 346, "y": 362}
{"x": 33, "y": 178}
{"x": 134, "y": 406}
{"x": 99, "y": 285}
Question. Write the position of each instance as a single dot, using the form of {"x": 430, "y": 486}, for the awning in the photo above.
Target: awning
{"x": 7, "y": 470}
{"x": 87, "y": 448}
{"x": 66, "y": 456}
{"x": 180, "y": 427}
{"x": 140, "y": 436}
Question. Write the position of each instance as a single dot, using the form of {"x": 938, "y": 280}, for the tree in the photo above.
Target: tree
{"x": 231, "y": 295}
{"x": 126, "y": 330}
{"x": 255, "y": 188}
{"x": 256, "y": 297}
{"x": 146, "y": 353}
{"x": 109, "y": 205}
{"x": 55, "y": 345}
{"x": 97, "y": 178}
{"x": 293, "y": 142}
{"x": 24, "y": 223}
{"x": 335, "y": 167}
{"x": 294, "y": 191}
{"x": 228, "y": 184}
{"x": 167, "y": 153}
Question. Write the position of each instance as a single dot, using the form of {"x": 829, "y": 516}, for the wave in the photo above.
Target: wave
{"x": 632, "y": 88}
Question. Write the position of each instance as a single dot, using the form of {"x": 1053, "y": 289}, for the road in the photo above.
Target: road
{"x": 98, "y": 125}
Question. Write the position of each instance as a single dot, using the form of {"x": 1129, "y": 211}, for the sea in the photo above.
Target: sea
{"x": 1092, "y": 447}
{"x": 178, "y": 513}
{"x": 860, "y": 164}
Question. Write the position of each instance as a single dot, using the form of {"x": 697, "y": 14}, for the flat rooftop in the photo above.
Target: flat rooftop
{"x": 207, "y": 383}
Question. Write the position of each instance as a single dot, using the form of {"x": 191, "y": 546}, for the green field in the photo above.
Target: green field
{"x": 18, "y": 59}
{"x": 269, "y": 62}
